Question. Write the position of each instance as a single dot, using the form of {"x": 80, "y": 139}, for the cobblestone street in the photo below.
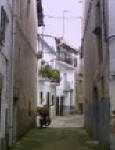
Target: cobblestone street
{"x": 65, "y": 133}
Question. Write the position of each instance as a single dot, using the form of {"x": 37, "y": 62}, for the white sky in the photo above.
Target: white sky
{"x": 55, "y": 26}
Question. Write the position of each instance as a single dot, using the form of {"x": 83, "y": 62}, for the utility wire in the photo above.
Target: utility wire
{"x": 59, "y": 17}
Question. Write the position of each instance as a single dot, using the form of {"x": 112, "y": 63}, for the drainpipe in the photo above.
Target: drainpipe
{"x": 12, "y": 72}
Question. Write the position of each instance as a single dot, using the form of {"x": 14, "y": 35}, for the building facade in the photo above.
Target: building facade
{"x": 80, "y": 85}
{"x": 66, "y": 62}
{"x": 111, "y": 39}
{"x": 5, "y": 70}
{"x": 25, "y": 67}
{"x": 96, "y": 70}
{"x": 60, "y": 95}
{"x": 46, "y": 85}
{"x": 18, "y": 67}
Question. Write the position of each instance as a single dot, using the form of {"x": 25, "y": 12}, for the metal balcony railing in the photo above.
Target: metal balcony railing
{"x": 67, "y": 86}
{"x": 66, "y": 60}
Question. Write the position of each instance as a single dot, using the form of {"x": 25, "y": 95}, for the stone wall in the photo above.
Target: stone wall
{"x": 5, "y": 74}
{"x": 25, "y": 68}
{"x": 96, "y": 71}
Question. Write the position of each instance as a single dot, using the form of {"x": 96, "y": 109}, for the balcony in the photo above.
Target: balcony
{"x": 67, "y": 60}
{"x": 50, "y": 74}
{"x": 68, "y": 86}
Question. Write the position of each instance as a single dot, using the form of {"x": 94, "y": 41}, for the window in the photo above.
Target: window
{"x": 113, "y": 77}
{"x": 52, "y": 99}
{"x": 40, "y": 13}
{"x": 98, "y": 31}
{"x": 29, "y": 108}
{"x": 48, "y": 99}
{"x": 4, "y": 21}
{"x": 41, "y": 97}
{"x": 75, "y": 62}
{"x": 28, "y": 7}
{"x": 20, "y": 6}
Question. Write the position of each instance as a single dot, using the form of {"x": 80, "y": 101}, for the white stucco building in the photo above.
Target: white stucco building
{"x": 46, "y": 88}
{"x": 66, "y": 62}
{"x": 61, "y": 96}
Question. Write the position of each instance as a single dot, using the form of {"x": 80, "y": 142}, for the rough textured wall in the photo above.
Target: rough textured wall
{"x": 112, "y": 52}
{"x": 96, "y": 74}
{"x": 5, "y": 75}
{"x": 80, "y": 85}
{"x": 25, "y": 68}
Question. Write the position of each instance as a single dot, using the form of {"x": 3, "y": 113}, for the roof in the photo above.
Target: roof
{"x": 61, "y": 43}
{"x": 48, "y": 43}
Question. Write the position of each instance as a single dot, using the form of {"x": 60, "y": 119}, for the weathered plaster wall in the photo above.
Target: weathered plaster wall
{"x": 96, "y": 73}
{"x": 25, "y": 66}
{"x": 5, "y": 76}
{"x": 112, "y": 52}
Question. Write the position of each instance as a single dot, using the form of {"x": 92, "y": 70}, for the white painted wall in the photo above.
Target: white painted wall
{"x": 71, "y": 73}
{"x": 45, "y": 85}
{"x": 50, "y": 57}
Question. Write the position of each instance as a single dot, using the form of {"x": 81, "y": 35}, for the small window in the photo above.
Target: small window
{"x": 113, "y": 77}
{"x": 28, "y": 7}
{"x": 48, "y": 99}
{"x": 52, "y": 100}
{"x": 4, "y": 21}
{"x": 75, "y": 62}
{"x": 29, "y": 108}
{"x": 41, "y": 97}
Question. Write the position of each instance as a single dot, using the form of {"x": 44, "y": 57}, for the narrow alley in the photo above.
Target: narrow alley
{"x": 57, "y": 74}
{"x": 65, "y": 133}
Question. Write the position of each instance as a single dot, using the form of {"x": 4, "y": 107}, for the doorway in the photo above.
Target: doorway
{"x": 14, "y": 118}
{"x": 61, "y": 106}
{"x": 57, "y": 106}
{"x": 48, "y": 99}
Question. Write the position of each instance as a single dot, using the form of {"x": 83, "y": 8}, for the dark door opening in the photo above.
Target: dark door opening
{"x": 48, "y": 99}
{"x": 57, "y": 106}
{"x": 61, "y": 106}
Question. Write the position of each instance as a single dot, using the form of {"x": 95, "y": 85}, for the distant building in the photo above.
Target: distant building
{"x": 66, "y": 62}
{"x": 46, "y": 84}
{"x": 60, "y": 96}
{"x": 80, "y": 85}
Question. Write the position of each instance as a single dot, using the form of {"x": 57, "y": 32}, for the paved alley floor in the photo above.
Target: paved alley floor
{"x": 64, "y": 134}
{"x": 55, "y": 139}
{"x": 68, "y": 121}
{"x": 112, "y": 141}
